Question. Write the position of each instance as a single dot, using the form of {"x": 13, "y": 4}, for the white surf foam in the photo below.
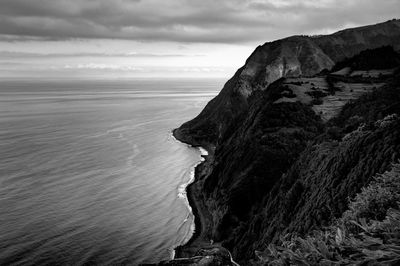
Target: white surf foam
{"x": 182, "y": 193}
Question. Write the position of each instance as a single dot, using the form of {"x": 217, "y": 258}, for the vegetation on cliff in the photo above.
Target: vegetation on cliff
{"x": 367, "y": 234}
{"x": 313, "y": 190}
{"x": 291, "y": 154}
{"x": 384, "y": 57}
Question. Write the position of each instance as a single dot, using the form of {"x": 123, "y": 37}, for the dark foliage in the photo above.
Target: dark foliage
{"x": 316, "y": 93}
{"x": 380, "y": 58}
{"x": 255, "y": 157}
{"x": 370, "y": 107}
{"x": 367, "y": 234}
{"x": 322, "y": 176}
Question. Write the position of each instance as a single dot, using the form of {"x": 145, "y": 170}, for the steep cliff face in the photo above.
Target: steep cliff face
{"x": 291, "y": 147}
{"x": 290, "y": 57}
{"x": 285, "y": 170}
{"x": 316, "y": 187}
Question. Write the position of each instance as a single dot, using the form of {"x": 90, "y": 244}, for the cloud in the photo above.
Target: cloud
{"x": 97, "y": 66}
{"x": 15, "y": 55}
{"x": 222, "y": 21}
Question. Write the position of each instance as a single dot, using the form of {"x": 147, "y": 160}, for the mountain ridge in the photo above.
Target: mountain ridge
{"x": 283, "y": 58}
{"x": 286, "y": 155}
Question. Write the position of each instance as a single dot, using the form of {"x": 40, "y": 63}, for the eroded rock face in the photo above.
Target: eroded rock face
{"x": 289, "y": 57}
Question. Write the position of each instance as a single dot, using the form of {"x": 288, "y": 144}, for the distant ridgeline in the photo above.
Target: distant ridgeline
{"x": 302, "y": 133}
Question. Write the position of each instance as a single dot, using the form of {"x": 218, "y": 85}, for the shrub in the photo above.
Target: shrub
{"x": 367, "y": 234}
{"x": 374, "y": 200}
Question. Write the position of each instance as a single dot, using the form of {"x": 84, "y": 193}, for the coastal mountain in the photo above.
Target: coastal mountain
{"x": 298, "y": 139}
{"x": 289, "y": 57}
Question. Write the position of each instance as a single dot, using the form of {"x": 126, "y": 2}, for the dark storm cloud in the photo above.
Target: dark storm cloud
{"x": 222, "y": 21}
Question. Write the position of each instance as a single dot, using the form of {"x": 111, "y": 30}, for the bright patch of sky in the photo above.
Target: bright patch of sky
{"x": 154, "y": 38}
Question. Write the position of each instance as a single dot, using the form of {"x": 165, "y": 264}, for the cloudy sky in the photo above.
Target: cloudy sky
{"x": 161, "y": 38}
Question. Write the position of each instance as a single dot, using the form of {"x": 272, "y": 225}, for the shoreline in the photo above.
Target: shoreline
{"x": 200, "y": 242}
{"x": 198, "y": 239}
{"x": 189, "y": 197}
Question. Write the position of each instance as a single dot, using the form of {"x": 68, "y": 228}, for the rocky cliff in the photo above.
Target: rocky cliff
{"x": 299, "y": 129}
{"x": 290, "y": 57}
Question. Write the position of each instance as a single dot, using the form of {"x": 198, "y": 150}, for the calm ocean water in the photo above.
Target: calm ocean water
{"x": 89, "y": 172}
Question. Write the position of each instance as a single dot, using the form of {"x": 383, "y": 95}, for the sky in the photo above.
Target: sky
{"x": 161, "y": 38}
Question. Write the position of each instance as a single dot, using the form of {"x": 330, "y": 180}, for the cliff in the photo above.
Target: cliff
{"x": 299, "y": 130}
{"x": 290, "y": 57}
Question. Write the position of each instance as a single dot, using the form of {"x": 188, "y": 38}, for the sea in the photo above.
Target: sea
{"x": 90, "y": 173}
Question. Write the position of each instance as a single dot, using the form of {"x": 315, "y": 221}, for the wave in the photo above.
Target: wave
{"x": 182, "y": 193}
